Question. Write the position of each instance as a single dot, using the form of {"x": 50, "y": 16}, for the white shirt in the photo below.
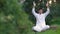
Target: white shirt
{"x": 40, "y": 18}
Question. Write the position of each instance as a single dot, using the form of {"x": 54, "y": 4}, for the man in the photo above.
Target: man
{"x": 40, "y": 18}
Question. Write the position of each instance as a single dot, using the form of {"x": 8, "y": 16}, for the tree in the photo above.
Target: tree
{"x": 9, "y": 16}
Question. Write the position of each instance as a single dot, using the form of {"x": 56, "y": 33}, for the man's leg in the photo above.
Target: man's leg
{"x": 45, "y": 27}
{"x": 37, "y": 28}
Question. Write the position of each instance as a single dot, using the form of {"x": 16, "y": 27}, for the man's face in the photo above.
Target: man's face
{"x": 40, "y": 11}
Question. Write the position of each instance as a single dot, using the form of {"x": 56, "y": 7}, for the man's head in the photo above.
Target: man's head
{"x": 40, "y": 11}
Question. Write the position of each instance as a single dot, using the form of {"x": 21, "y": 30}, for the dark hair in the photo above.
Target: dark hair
{"x": 44, "y": 9}
{"x": 40, "y": 9}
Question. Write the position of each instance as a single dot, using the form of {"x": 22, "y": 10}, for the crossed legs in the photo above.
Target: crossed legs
{"x": 39, "y": 29}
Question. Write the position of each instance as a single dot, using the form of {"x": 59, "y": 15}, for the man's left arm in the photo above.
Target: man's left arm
{"x": 48, "y": 9}
{"x": 47, "y": 12}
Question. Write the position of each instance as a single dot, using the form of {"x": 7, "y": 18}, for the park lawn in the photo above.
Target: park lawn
{"x": 56, "y": 31}
{"x": 50, "y": 31}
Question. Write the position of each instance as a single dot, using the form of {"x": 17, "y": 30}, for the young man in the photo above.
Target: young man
{"x": 40, "y": 18}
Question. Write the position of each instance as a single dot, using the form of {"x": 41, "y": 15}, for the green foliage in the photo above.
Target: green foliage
{"x": 9, "y": 14}
{"x": 14, "y": 20}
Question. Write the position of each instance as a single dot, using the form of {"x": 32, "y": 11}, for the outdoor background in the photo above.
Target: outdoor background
{"x": 16, "y": 16}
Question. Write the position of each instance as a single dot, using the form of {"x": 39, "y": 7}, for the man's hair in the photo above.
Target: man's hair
{"x": 40, "y": 9}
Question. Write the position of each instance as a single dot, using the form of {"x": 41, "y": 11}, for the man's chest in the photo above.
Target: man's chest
{"x": 42, "y": 16}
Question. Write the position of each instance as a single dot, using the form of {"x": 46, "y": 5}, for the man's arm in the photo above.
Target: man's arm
{"x": 48, "y": 10}
{"x": 33, "y": 9}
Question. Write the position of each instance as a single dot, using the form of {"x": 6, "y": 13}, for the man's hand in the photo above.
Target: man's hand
{"x": 34, "y": 4}
{"x": 47, "y": 4}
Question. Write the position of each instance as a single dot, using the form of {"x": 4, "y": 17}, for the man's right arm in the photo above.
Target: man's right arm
{"x": 33, "y": 9}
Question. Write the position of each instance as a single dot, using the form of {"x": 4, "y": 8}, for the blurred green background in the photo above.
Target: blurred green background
{"x": 16, "y": 17}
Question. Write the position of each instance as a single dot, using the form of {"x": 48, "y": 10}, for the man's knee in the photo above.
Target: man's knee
{"x": 36, "y": 28}
{"x": 48, "y": 26}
